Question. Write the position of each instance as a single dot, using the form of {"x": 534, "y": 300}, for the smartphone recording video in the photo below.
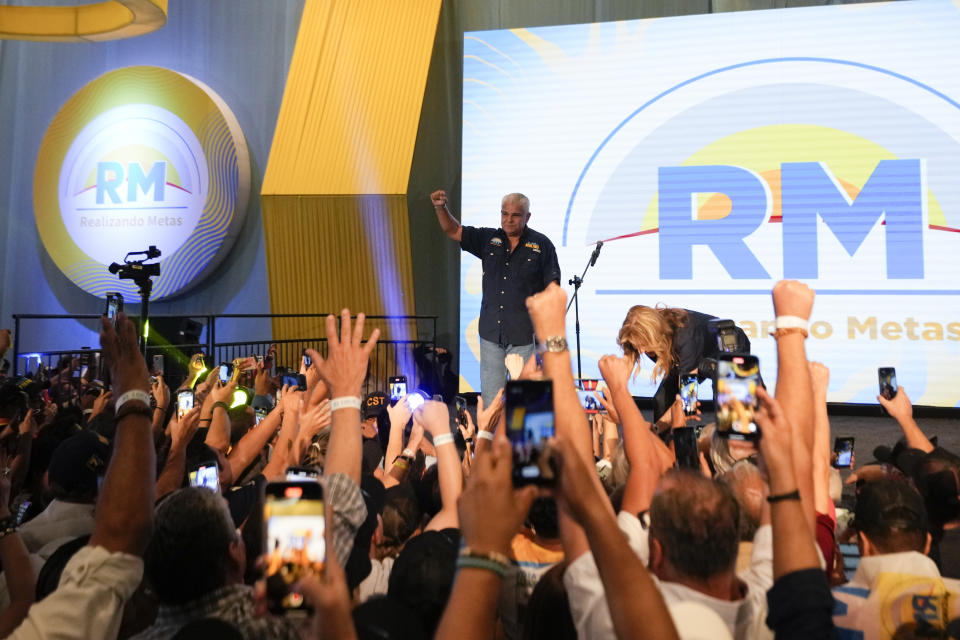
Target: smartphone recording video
{"x": 184, "y": 402}
{"x": 529, "y": 408}
{"x": 114, "y": 306}
{"x": 888, "y": 382}
{"x": 688, "y": 394}
{"x": 397, "y": 388}
{"x": 259, "y": 414}
{"x": 226, "y": 372}
{"x": 306, "y": 359}
{"x": 685, "y": 448}
{"x": 590, "y": 403}
{"x": 461, "y": 404}
{"x": 158, "y": 365}
{"x": 736, "y": 396}
{"x": 206, "y": 475}
{"x": 843, "y": 447}
{"x": 295, "y": 543}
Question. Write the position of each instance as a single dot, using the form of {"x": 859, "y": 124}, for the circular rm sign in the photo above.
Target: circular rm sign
{"x": 141, "y": 156}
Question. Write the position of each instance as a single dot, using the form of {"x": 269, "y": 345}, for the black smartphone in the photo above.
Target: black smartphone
{"x": 259, "y": 414}
{"x": 205, "y": 475}
{"x": 685, "y": 448}
{"x": 738, "y": 376}
{"x": 158, "y": 365}
{"x": 226, "y": 372}
{"x": 295, "y": 544}
{"x": 114, "y": 305}
{"x": 461, "y": 403}
{"x": 688, "y": 394}
{"x": 184, "y": 402}
{"x": 843, "y": 447}
{"x": 888, "y": 382}
{"x": 397, "y": 386}
{"x": 529, "y": 412}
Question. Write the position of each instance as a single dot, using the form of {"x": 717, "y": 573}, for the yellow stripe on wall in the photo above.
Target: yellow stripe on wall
{"x": 348, "y": 121}
{"x": 334, "y": 192}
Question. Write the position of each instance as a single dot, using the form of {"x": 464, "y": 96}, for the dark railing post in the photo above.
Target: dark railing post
{"x": 211, "y": 335}
{"x": 16, "y": 345}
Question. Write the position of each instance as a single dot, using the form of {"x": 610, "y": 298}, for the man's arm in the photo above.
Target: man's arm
{"x": 794, "y": 388}
{"x": 639, "y": 443}
{"x": 901, "y": 409}
{"x": 125, "y": 507}
{"x": 343, "y": 371}
{"x": 435, "y": 417}
{"x": 547, "y": 310}
{"x": 448, "y": 223}
{"x": 181, "y": 433}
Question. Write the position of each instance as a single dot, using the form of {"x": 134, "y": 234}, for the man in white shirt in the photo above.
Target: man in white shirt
{"x": 691, "y": 548}
{"x": 897, "y": 590}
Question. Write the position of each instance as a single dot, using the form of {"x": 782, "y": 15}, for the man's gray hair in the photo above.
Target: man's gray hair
{"x": 518, "y": 198}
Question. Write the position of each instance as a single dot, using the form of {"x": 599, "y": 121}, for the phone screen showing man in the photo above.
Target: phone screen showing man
{"x": 530, "y": 423}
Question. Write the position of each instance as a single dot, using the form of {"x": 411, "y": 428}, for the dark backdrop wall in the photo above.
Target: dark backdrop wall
{"x": 436, "y": 162}
{"x": 241, "y": 49}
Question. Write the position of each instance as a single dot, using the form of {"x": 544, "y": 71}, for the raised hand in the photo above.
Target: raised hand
{"x": 434, "y": 416}
{"x": 605, "y": 399}
{"x": 548, "y": 311}
{"x": 820, "y": 378}
{"x": 128, "y": 369}
{"x": 399, "y": 413}
{"x": 615, "y": 371}
{"x": 792, "y": 298}
{"x": 346, "y": 364}
{"x": 100, "y": 403}
{"x": 439, "y": 199}
{"x": 224, "y": 392}
{"x": 490, "y": 509}
{"x": 183, "y": 429}
{"x": 514, "y": 364}
{"x": 487, "y": 417}
{"x": 899, "y": 407}
{"x": 160, "y": 392}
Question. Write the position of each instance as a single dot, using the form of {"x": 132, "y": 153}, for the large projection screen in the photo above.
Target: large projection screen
{"x": 716, "y": 154}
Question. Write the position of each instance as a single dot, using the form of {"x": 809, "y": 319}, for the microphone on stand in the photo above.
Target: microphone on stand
{"x": 596, "y": 253}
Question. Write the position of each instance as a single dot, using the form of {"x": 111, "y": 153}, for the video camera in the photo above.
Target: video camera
{"x": 728, "y": 339}
{"x": 136, "y": 270}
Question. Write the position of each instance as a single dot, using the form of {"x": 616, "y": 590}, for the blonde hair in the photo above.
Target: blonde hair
{"x": 651, "y": 329}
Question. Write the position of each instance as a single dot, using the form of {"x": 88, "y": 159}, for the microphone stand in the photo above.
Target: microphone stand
{"x": 576, "y": 281}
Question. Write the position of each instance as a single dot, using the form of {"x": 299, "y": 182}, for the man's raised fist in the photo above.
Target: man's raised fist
{"x": 439, "y": 198}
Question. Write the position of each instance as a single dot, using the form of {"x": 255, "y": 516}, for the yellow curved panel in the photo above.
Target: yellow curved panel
{"x": 108, "y": 20}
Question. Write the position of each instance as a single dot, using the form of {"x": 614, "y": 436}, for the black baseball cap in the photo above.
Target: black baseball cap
{"x": 79, "y": 460}
{"x": 375, "y": 404}
{"x": 887, "y": 504}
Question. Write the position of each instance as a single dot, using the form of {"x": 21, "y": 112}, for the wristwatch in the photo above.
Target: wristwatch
{"x": 554, "y": 344}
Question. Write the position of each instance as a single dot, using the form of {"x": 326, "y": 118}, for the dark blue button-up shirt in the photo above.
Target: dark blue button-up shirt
{"x": 509, "y": 278}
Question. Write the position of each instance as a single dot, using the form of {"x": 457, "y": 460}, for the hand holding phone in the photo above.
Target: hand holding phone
{"x": 185, "y": 399}
{"x": 397, "y": 388}
{"x": 888, "y": 382}
{"x": 738, "y": 376}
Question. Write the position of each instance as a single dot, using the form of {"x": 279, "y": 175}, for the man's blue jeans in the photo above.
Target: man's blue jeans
{"x": 493, "y": 373}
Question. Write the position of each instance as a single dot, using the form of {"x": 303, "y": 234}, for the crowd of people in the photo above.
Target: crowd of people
{"x": 105, "y": 532}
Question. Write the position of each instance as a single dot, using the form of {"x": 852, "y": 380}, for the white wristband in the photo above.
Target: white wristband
{"x": 442, "y": 439}
{"x": 135, "y": 395}
{"x": 345, "y": 402}
{"x": 791, "y": 322}
{"x": 486, "y": 435}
